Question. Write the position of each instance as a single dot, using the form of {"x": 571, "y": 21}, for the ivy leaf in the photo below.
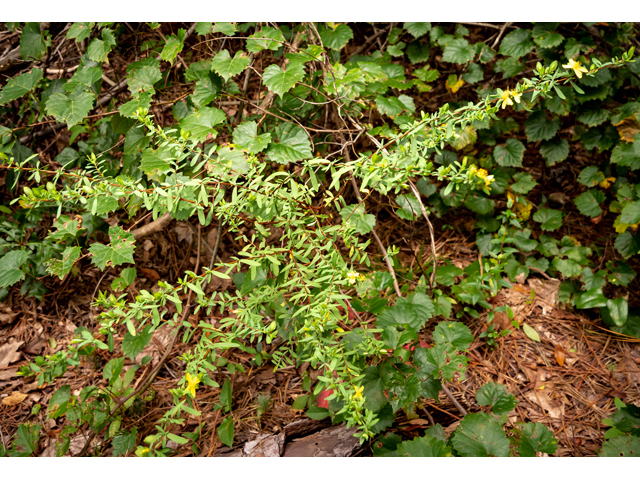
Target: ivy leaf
{"x": 589, "y": 203}
{"x": 458, "y": 51}
{"x": 336, "y": 38}
{"x": 537, "y": 127}
{"x": 201, "y": 123}
{"x": 119, "y": 251}
{"x": 550, "y": 219}
{"x": 99, "y": 48}
{"x": 631, "y": 213}
{"x": 417, "y": 29}
{"x": 32, "y": 42}
{"x": 281, "y": 81}
{"x": 455, "y": 333}
{"x": 246, "y": 135}
{"x": 132, "y": 345}
{"x": 391, "y": 106}
{"x": 270, "y": 38}
{"x": 293, "y": 144}
{"x": 63, "y": 266}
{"x": 536, "y": 437}
{"x": 70, "y": 108}
{"x": 554, "y": 151}
{"x": 80, "y": 31}
{"x": 10, "y": 264}
{"x": 510, "y": 154}
{"x": 357, "y": 217}
{"x": 479, "y": 435}
{"x": 173, "y": 46}
{"x": 20, "y": 86}
{"x": 497, "y": 396}
{"x": 228, "y": 67}
{"x": 516, "y": 43}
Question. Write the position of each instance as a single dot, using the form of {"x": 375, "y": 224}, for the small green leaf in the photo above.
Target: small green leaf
{"x": 173, "y": 46}
{"x": 267, "y": 38}
{"x": 480, "y": 436}
{"x": 10, "y": 264}
{"x": 456, "y": 333}
{"x": 497, "y": 396}
{"x": 119, "y": 251}
{"x": 417, "y": 29}
{"x": 225, "y": 431}
{"x": 20, "y": 86}
{"x": 549, "y": 219}
{"x": 80, "y": 31}
{"x": 32, "y": 42}
{"x": 391, "y": 106}
{"x": 631, "y": 213}
{"x": 530, "y": 332}
{"x": 621, "y": 446}
{"x": 510, "y": 154}
{"x": 124, "y": 442}
{"x": 228, "y": 67}
{"x": 63, "y": 266}
{"x": 336, "y": 38}
{"x": 589, "y": 202}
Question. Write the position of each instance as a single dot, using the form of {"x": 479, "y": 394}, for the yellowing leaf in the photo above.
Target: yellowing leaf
{"x": 530, "y": 332}
{"x": 628, "y": 128}
{"x": 453, "y": 84}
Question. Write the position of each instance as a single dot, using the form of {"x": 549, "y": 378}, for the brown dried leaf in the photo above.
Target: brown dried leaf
{"x": 559, "y": 354}
{"x": 9, "y": 353}
{"x": 628, "y": 128}
{"x": 15, "y": 398}
{"x": 150, "y": 273}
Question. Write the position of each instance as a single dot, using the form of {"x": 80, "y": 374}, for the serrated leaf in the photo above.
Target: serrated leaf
{"x": 124, "y": 442}
{"x": 590, "y": 176}
{"x": 458, "y": 51}
{"x": 201, "y": 123}
{"x": 70, "y": 108}
{"x": 549, "y": 219}
{"x": 554, "y": 151}
{"x": 267, "y": 38}
{"x": 537, "y": 127}
{"x": 510, "y": 154}
{"x": 228, "y": 67}
{"x": 99, "y": 48}
{"x": 206, "y": 90}
{"x": 621, "y": 446}
{"x": 524, "y": 183}
{"x": 80, "y": 31}
{"x": 246, "y": 135}
{"x": 480, "y": 436}
{"x": 141, "y": 80}
{"x": 510, "y": 67}
{"x": 293, "y": 144}
{"x": 497, "y": 397}
{"x": 173, "y": 46}
{"x": 536, "y": 437}
{"x": 130, "y": 109}
{"x": 119, "y": 251}
{"x": 418, "y": 52}
{"x": 84, "y": 80}
{"x": 630, "y": 213}
{"x": 455, "y": 333}
{"x": 336, "y": 38}
{"x": 517, "y": 43}
{"x": 474, "y": 75}
{"x": 63, "y": 266}
{"x": 414, "y": 311}
{"x": 391, "y": 106}
{"x": 589, "y": 202}
{"x": 356, "y": 216}
{"x": 32, "y": 43}
{"x": 417, "y": 29}
{"x": 228, "y": 28}
{"x": 10, "y": 264}
{"x": 156, "y": 160}
{"x": 281, "y": 81}
{"x": 231, "y": 160}
{"x": 21, "y": 85}
{"x": 545, "y": 36}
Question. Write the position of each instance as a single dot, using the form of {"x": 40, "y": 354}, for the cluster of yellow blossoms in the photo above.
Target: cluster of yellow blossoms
{"x": 481, "y": 173}
{"x": 508, "y": 96}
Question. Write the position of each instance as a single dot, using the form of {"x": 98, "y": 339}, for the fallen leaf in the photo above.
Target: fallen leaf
{"x": 628, "y": 128}
{"x": 530, "y": 332}
{"x": 9, "y": 353}
{"x": 15, "y": 398}
{"x": 150, "y": 273}
{"x": 559, "y": 354}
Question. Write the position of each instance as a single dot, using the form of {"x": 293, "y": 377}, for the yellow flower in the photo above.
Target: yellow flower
{"x": 361, "y": 277}
{"x": 483, "y": 174}
{"x": 505, "y": 96}
{"x": 515, "y": 95}
{"x": 576, "y": 67}
{"x": 358, "y": 393}
{"x": 192, "y": 381}
{"x": 352, "y": 276}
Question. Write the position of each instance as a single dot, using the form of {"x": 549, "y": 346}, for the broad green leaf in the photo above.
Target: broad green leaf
{"x": 246, "y": 135}
{"x": 130, "y": 109}
{"x": 510, "y": 67}
{"x": 414, "y": 311}
{"x": 63, "y": 266}
{"x": 206, "y": 90}
{"x": 21, "y": 85}
{"x": 426, "y": 74}
{"x": 480, "y": 436}
{"x": 618, "y": 310}
{"x": 590, "y": 176}
{"x": 516, "y": 43}
{"x": 113, "y": 369}
{"x": 356, "y": 216}
{"x": 625, "y": 420}
{"x": 589, "y": 202}
{"x": 622, "y": 274}
{"x": 228, "y": 28}
{"x": 32, "y": 42}
{"x": 463, "y": 138}
{"x": 510, "y": 154}
{"x": 550, "y": 219}
{"x": 173, "y": 46}
{"x": 228, "y": 67}
{"x": 70, "y": 108}
{"x": 132, "y": 345}
{"x": 593, "y": 298}
{"x": 631, "y": 213}
{"x": 446, "y": 274}
{"x": 293, "y": 144}
{"x": 231, "y": 160}
{"x": 418, "y": 52}
{"x": 545, "y": 36}
{"x": 391, "y": 106}
{"x": 27, "y": 439}
{"x": 156, "y": 160}
{"x": 141, "y": 80}
{"x": 474, "y": 75}
{"x": 417, "y": 29}
{"x": 337, "y": 38}
{"x": 568, "y": 268}
{"x": 124, "y": 442}
{"x": 279, "y": 81}
{"x": 621, "y": 446}
{"x": 421, "y": 447}
{"x": 136, "y": 140}
{"x": 225, "y": 431}
{"x": 85, "y": 80}
{"x": 80, "y": 31}
{"x": 536, "y": 437}
{"x": 126, "y": 278}
{"x": 537, "y": 127}
{"x": 119, "y": 251}
{"x": 554, "y": 151}
{"x": 409, "y": 207}
{"x": 458, "y": 51}
{"x": 595, "y": 116}
{"x": 99, "y": 48}
{"x": 202, "y": 28}
{"x": 455, "y": 333}
{"x": 497, "y": 397}
{"x": 10, "y": 264}
{"x": 627, "y": 244}
{"x": 267, "y": 38}
{"x": 524, "y": 183}
{"x": 201, "y": 123}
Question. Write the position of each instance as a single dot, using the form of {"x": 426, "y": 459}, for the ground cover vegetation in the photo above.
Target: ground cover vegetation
{"x": 412, "y": 229}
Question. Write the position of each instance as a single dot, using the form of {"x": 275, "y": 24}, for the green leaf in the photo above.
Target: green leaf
{"x": 246, "y": 135}
{"x": 545, "y": 36}
{"x": 119, "y": 251}
{"x": 589, "y": 203}
{"x": 414, "y": 311}
{"x": 621, "y": 446}
{"x": 410, "y": 207}
{"x": 627, "y": 244}
{"x": 417, "y": 29}
{"x": 70, "y": 108}
{"x": 225, "y": 431}
{"x": 173, "y": 46}
{"x": 455, "y": 333}
{"x": 591, "y": 299}
{"x": 554, "y": 151}
{"x": 232, "y": 161}
{"x": 124, "y": 442}
{"x": 422, "y": 447}
{"x": 356, "y": 216}
{"x": 32, "y": 42}
{"x": 458, "y": 51}
{"x": 517, "y": 43}
{"x": 537, "y": 127}
{"x": 27, "y": 439}
{"x": 568, "y": 268}
{"x": 141, "y": 80}
{"x": 336, "y": 38}
{"x": 391, "y": 106}
{"x": 480, "y": 436}
{"x": 271, "y": 39}
{"x": 80, "y": 31}
{"x": 426, "y": 74}
{"x": 63, "y": 266}
{"x": 228, "y": 28}
{"x": 228, "y": 67}
{"x": 85, "y": 80}
{"x": 202, "y": 28}
{"x": 536, "y": 437}
{"x": 510, "y": 154}
{"x": 418, "y": 52}
{"x": 226, "y": 395}
{"x": 474, "y": 75}
{"x": 99, "y": 48}
{"x": 618, "y": 310}
{"x": 622, "y": 274}
{"x": 293, "y": 144}
{"x": 156, "y": 160}
{"x": 281, "y": 81}
{"x": 113, "y": 369}
{"x": 10, "y": 264}
{"x": 631, "y": 213}
{"x": 20, "y": 86}
{"x": 550, "y": 219}
{"x": 132, "y": 345}
{"x": 446, "y": 274}
{"x": 206, "y": 90}
{"x": 126, "y": 278}
{"x": 590, "y": 176}
{"x": 497, "y": 396}
{"x": 626, "y": 419}
{"x": 530, "y": 332}
{"x": 510, "y": 67}
{"x": 524, "y": 183}
{"x": 201, "y": 123}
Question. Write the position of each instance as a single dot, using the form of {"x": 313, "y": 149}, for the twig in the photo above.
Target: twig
{"x": 451, "y": 397}
{"x": 504, "y": 27}
{"x": 431, "y": 232}
{"x": 152, "y": 227}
